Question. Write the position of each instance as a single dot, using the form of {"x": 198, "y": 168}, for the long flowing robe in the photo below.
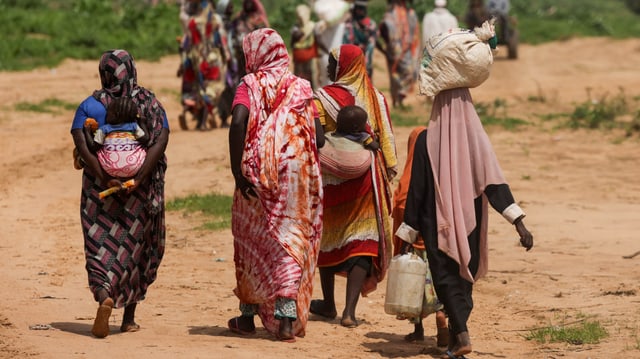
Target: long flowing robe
{"x": 124, "y": 234}
{"x": 403, "y": 49}
{"x": 276, "y": 236}
{"x": 367, "y": 199}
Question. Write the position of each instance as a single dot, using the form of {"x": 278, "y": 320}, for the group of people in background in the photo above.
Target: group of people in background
{"x": 313, "y": 169}
{"x": 397, "y": 36}
{"x": 212, "y": 60}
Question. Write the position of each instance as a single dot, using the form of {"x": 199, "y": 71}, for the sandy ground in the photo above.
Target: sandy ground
{"x": 580, "y": 190}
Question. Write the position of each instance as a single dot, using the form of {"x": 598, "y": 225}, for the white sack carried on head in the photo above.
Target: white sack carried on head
{"x": 331, "y": 11}
{"x": 456, "y": 58}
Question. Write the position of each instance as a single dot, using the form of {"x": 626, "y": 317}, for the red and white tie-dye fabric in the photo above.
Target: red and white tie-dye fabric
{"x": 280, "y": 158}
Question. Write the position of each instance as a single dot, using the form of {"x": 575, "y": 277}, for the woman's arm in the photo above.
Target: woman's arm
{"x": 501, "y": 199}
{"x": 319, "y": 133}
{"x": 91, "y": 161}
{"x": 237, "y": 133}
{"x": 154, "y": 154}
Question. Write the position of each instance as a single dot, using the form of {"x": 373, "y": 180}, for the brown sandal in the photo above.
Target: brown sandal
{"x": 234, "y": 326}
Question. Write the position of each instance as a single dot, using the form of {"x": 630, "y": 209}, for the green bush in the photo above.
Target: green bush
{"x": 41, "y": 33}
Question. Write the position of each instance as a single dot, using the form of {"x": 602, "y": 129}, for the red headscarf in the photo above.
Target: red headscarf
{"x": 352, "y": 86}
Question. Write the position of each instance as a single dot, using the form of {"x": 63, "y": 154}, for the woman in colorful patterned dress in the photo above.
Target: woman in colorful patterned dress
{"x": 400, "y": 32}
{"x": 124, "y": 234}
{"x": 356, "y": 239}
{"x": 277, "y": 204}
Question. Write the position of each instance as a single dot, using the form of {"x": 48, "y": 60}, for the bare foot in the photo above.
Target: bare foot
{"x": 442, "y": 338}
{"x": 462, "y": 345}
{"x": 100, "y": 327}
{"x": 129, "y": 327}
{"x": 285, "y": 331}
{"x": 349, "y": 322}
{"x": 414, "y": 337}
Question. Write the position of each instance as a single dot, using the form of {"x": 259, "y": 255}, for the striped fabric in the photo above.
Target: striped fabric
{"x": 358, "y": 212}
{"x": 357, "y": 222}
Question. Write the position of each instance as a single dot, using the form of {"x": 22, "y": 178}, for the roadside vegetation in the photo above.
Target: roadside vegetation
{"x": 215, "y": 209}
{"x": 584, "y": 330}
{"x": 42, "y": 33}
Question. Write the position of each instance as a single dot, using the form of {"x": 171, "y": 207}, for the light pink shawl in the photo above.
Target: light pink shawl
{"x": 463, "y": 163}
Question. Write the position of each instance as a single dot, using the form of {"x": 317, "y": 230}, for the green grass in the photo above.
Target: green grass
{"x": 585, "y": 332}
{"x": 41, "y": 33}
{"x": 50, "y": 105}
{"x": 496, "y": 114}
{"x": 216, "y": 209}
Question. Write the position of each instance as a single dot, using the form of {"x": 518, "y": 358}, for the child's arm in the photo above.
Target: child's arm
{"x": 142, "y": 135}
{"x": 91, "y": 144}
{"x": 371, "y": 143}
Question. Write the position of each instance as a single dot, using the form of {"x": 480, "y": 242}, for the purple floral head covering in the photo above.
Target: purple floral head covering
{"x": 117, "y": 73}
{"x": 119, "y": 78}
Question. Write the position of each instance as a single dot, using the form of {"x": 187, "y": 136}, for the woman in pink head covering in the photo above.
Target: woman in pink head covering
{"x": 455, "y": 174}
{"x": 277, "y": 206}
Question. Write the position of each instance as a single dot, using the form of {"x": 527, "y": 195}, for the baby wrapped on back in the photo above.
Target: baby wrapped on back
{"x": 347, "y": 150}
{"x": 120, "y": 144}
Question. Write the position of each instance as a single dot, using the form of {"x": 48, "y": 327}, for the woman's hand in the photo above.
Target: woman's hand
{"x": 406, "y": 247}
{"x": 246, "y": 188}
{"x": 392, "y": 172}
{"x": 526, "y": 238}
{"x": 114, "y": 182}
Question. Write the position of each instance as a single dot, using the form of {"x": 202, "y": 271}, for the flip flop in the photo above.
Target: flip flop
{"x": 235, "y": 327}
{"x": 130, "y": 328}
{"x": 291, "y": 339}
{"x": 100, "y": 327}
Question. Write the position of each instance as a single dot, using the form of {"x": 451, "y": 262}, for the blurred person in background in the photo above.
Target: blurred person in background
{"x": 305, "y": 46}
{"x": 204, "y": 53}
{"x": 362, "y": 31}
{"x": 400, "y": 34}
{"x": 252, "y": 16}
{"x": 332, "y": 15}
{"x": 437, "y": 21}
